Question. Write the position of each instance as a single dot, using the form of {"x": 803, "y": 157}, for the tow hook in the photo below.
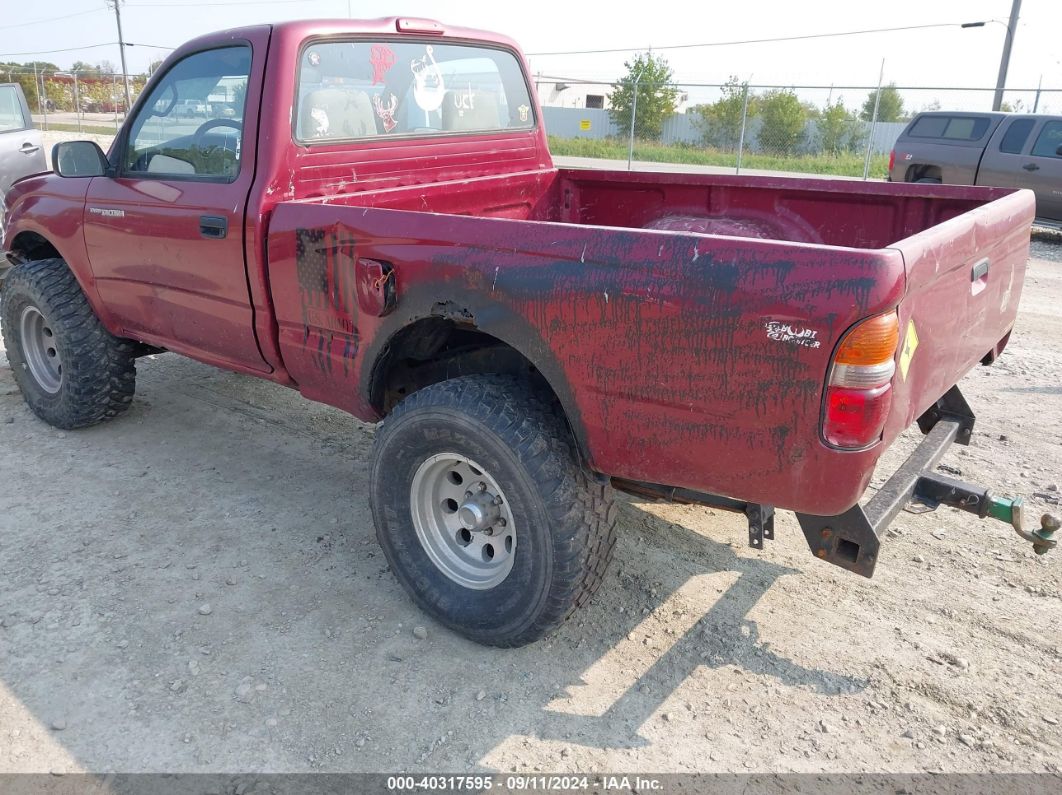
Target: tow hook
{"x": 1042, "y": 539}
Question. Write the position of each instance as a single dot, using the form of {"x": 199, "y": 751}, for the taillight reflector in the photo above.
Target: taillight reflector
{"x": 892, "y": 159}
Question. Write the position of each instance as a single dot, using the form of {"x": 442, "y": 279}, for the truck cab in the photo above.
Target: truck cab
{"x": 1008, "y": 150}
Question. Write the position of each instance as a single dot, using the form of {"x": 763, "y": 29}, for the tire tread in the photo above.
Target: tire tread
{"x": 99, "y": 374}
{"x": 581, "y": 510}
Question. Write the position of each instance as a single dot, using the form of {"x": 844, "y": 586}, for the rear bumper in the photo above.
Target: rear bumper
{"x": 852, "y": 539}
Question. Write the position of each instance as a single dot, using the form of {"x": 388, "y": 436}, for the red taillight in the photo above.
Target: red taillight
{"x": 892, "y": 159}
{"x": 859, "y": 395}
{"x": 856, "y": 417}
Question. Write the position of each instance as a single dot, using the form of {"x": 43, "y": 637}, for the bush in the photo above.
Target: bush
{"x": 784, "y": 119}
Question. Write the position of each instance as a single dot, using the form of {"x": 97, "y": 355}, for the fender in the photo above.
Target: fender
{"x": 470, "y": 308}
{"x": 53, "y": 208}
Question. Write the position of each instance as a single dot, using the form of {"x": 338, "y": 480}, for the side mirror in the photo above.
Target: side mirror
{"x": 79, "y": 159}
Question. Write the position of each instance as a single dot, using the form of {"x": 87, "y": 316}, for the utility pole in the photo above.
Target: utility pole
{"x": 1004, "y": 62}
{"x": 121, "y": 51}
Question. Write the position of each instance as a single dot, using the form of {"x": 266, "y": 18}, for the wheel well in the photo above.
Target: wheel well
{"x": 436, "y": 349}
{"x": 32, "y": 246}
{"x": 917, "y": 172}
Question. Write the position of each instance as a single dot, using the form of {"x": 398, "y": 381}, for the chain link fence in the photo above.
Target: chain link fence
{"x": 85, "y": 101}
{"x": 839, "y": 130}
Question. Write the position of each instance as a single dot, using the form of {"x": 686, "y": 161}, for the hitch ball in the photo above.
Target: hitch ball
{"x": 1049, "y": 524}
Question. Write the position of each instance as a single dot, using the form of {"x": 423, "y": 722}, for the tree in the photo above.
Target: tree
{"x": 784, "y": 118}
{"x": 889, "y": 109}
{"x": 84, "y": 67}
{"x": 720, "y": 122}
{"x": 657, "y": 96}
{"x": 833, "y": 127}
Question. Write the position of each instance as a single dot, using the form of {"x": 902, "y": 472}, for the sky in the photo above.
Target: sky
{"x": 939, "y": 56}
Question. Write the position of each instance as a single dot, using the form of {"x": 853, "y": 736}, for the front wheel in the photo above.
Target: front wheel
{"x": 72, "y": 372}
{"x": 484, "y": 511}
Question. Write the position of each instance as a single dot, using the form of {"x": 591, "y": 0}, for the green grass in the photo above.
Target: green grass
{"x": 849, "y": 165}
{"x": 90, "y": 129}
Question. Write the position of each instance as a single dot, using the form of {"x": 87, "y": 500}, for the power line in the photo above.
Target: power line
{"x": 86, "y": 47}
{"x": 750, "y": 41}
{"x": 50, "y": 19}
{"x": 544, "y": 78}
{"x": 201, "y": 5}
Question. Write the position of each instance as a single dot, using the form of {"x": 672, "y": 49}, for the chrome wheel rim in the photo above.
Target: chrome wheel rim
{"x": 463, "y": 520}
{"x": 40, "y": 351}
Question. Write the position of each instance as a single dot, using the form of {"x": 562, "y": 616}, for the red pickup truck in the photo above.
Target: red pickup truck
{"x": 370, "y": 214}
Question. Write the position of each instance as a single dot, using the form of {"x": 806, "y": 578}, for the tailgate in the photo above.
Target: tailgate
{"x": 964, "y": 279}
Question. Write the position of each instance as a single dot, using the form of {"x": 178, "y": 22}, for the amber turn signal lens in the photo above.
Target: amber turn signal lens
{"x": 873, "y": 341}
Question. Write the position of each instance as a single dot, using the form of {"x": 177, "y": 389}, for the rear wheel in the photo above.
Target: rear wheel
{"x": 72, "y": 372}
{"x": 929, "y": 180}
{"x": 486, "y": 515}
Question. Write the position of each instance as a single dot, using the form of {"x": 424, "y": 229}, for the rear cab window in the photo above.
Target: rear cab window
{"x": 12, "y": 117}
{"x": 1049, "y": 141}
{"x": 358, "y": 89}
{"x": 952, "y": 128}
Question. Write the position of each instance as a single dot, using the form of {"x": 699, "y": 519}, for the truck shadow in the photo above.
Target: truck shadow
{"x": 722, "y": 637}
{"x": 224, "y": 491}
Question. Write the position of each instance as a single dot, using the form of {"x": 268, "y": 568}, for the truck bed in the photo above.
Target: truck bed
{"x": 648, "y": 301}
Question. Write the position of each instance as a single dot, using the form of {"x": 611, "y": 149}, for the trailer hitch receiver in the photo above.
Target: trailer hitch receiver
{"x": 852, "y": 540}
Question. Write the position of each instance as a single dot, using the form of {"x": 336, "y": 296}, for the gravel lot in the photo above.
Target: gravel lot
{"x": 196, "y": 587}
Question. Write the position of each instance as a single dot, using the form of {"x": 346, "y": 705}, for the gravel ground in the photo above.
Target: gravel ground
{"x": 196, "y": 587}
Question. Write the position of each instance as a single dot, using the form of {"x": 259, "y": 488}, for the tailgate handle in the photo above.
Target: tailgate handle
{"x": 1031, "y": 167}
{"x": 980, "y": 271}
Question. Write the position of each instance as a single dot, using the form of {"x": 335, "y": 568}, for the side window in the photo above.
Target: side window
{"x": 1016, "y": 135}
{"x": 11, "y": 117}
{"x": 1049, "y": 141}
{"x": 366, "y": 89}
{"x": 191, "y": 125}
{"x": 954, "y": 128}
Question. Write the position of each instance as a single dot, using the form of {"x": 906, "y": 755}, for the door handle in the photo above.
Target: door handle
{"x": 213, "y": 226}
{"x": 1031, "y": 167}
{"x": 28, "y": 148}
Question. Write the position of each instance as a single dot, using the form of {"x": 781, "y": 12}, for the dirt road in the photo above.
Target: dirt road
{"x": 196, "y": 587}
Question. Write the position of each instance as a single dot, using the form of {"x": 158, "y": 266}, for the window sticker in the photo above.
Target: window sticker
{"x": 314, "y": 58}
{"x": 382, "y": 59}
{"x": 320, "y": 122}
{"x": 386, "y": 113}
{"x": 464, "y": 100}
{"x": 523, "y": 110}
{"x": 428, "y": 88}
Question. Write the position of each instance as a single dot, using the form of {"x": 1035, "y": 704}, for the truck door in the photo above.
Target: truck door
{"x": 1024, "y": 154}
{"x": 1045, "y": 170}
{"x": 165, "y": 234}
